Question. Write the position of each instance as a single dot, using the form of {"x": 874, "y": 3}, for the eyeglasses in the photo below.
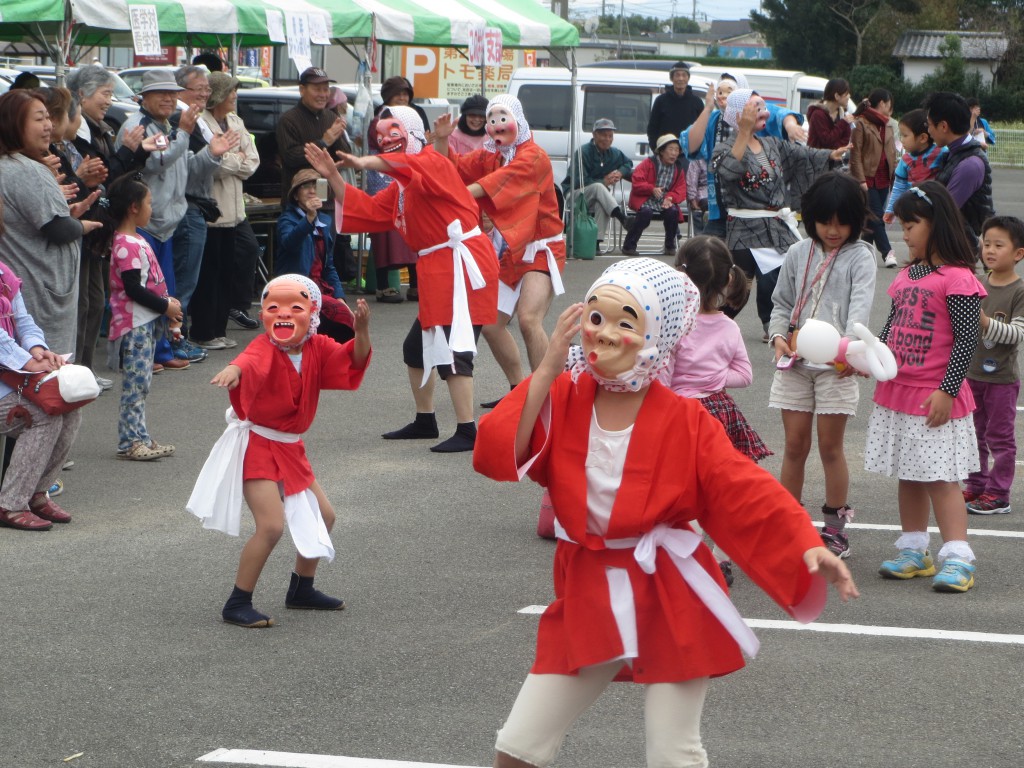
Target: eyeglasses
{"x": 921, "y": 194}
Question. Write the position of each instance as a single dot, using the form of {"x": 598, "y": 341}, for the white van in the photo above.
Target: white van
{"x": 624, "y": 96}
{"x": 783, "y": 87}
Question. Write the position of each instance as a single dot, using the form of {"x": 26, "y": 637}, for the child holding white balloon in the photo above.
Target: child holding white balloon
{"x": 830, "y": 277}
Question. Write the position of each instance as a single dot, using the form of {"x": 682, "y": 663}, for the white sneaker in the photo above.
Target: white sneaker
{"x": 104, "y": 384}
{"x": 890, "y": 260}
{"x": 226, "y": 342}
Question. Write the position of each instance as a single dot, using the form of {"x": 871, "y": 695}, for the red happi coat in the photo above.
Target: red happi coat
{"x": 435, "y": 196}
{"x": 520, "y": 200}
{"x": 272, "y": 394}
{"x": 680, "y": 467}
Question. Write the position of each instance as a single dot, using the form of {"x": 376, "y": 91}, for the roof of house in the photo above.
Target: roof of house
{"x": 723, "y": 30}
{"x": 924, "y": 44}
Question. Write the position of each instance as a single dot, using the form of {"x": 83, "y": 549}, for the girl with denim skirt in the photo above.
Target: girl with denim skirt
{"x": 138, "y": 305}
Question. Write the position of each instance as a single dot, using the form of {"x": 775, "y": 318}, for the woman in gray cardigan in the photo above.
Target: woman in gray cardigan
{"x": 752, "y": 179}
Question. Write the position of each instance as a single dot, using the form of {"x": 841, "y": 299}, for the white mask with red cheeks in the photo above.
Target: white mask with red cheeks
{"x": 290, "y": 311}
{"x": 501, "y": 126}
{"x": 506, "y": 126}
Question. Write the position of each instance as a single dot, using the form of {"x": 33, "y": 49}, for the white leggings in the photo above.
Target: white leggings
{"x": 548, "y": 705}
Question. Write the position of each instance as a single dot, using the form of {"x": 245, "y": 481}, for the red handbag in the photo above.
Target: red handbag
{"x": 40, "y": 390}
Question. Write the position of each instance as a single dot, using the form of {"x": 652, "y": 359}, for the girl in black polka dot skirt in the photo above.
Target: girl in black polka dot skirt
{"x": 921, "y": 429}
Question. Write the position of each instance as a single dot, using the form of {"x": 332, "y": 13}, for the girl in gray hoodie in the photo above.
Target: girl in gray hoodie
{"x": 829, "y": 276}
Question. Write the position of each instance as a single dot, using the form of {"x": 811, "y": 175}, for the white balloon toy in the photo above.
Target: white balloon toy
{"x": 819, "y": 342}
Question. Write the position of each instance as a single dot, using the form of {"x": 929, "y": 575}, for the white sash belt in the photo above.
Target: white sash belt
{"x": 542, "y": 245}
{"x": 217, "y": 496}
{"x": 680, "y": 545}
{"x": 786, "y": 215}
{"x": 437, "y": 350}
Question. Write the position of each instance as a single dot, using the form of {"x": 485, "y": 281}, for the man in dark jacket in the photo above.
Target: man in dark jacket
{"x": 675, "y": 110}
{"x": 964, "y": 168}
{"x": 309, "y": 120}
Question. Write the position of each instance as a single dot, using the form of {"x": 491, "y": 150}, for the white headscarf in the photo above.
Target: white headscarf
{"x": 315, "y": 298}
{"x": 513, "y": 105}
{"x": 734, "y": 106}
{"x": 413, "y": 124}
{"x": 740, "y": 80}
{"x": 671, "y": 302}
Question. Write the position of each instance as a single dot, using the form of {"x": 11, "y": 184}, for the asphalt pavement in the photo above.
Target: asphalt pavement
{"x": 113, "y": 648}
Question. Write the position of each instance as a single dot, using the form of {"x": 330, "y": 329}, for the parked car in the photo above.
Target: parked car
{"x": 133, "y": 77}
{"x": 7, "y": 78}
{"x": 124, "y": 102}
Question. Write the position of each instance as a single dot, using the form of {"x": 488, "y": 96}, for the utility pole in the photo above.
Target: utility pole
{"x": 672, "y": 22}
{"x": 622, "y": 11}
{"x": 695, "y": 10}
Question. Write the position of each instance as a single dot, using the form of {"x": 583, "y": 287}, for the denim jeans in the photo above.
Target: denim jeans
{"x": 876, "y": 227}
{"x": 189, "y": 240}
{"x": 165, "y": 258}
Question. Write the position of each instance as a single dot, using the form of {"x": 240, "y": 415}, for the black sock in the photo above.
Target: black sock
{"x": 463, "y": 440}
{"x": 424, "y": 427}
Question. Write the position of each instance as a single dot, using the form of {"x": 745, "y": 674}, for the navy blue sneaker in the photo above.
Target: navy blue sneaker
{"x": 186, "y": 350}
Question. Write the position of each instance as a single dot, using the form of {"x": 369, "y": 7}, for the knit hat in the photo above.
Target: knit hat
{"x": 221, "y": 84}
{"x": 474, "y": 105}
{"x": 679, "y": 66}
{"x": 394, "y": 86}
{"x": 337, "y": 98}
{"x": 671, "y": 302}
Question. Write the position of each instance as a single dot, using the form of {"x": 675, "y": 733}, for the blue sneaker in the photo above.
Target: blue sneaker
{"x": 186, "y": 350}
{"x": 57, "y": 488}
{"x": 955, "y": 576}
{"x": 908, "y": 564}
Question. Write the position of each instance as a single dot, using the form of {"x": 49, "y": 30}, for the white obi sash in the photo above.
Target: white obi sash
{"x": 436, "y": 349}
{"x": 769, "y": 259}
{"x": 217, "y": 496}
{"x": 542, "y": 245}
{"x": 680, "y": 545}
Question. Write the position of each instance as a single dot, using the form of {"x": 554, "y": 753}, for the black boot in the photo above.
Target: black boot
{"x": 463, "y": 440}
{"x": 423, "y": 428}
{"x": 301, "y": 594}
{"x": 618, "y": 214}
{"x": 238, "y": 610}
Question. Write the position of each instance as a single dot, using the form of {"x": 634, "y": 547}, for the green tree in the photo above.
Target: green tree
{"x": 822, "y": 35}
{"x": 803, "y": 35}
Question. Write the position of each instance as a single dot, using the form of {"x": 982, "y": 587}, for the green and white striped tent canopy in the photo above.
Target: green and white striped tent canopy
{"x": 524, "y": 23}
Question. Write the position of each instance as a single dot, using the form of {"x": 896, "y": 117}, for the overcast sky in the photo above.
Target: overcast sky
{"x": 715, "y": 9}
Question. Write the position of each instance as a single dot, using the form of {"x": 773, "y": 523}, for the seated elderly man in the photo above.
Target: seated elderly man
{"x": 603, "y": 167}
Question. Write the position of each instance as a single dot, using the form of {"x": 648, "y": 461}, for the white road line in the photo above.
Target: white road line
{"x": 863, "y": 629}
{"x": 933, "y": 529}
{"x": 299, "y": 760}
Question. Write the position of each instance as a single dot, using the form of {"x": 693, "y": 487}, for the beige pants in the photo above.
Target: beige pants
{"x": 548, "y": 705}
{"x": 40, "y": 452}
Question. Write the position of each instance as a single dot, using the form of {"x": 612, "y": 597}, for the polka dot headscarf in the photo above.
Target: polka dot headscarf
{"x": 512, "y": 104}
{"x": 671, "y": 302}
{"x": 315, "y": 298}
{"x": 734, "y": 106}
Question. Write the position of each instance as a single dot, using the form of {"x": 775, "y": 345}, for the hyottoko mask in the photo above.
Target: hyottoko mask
{"x": 290, "y": 311}
{"x": 391, "y": 135}
{"x": 501, "y": 125}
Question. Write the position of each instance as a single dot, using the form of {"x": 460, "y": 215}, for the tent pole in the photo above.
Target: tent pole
{"x": 234, "y": 54}
{"x": 573, "y": 129}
